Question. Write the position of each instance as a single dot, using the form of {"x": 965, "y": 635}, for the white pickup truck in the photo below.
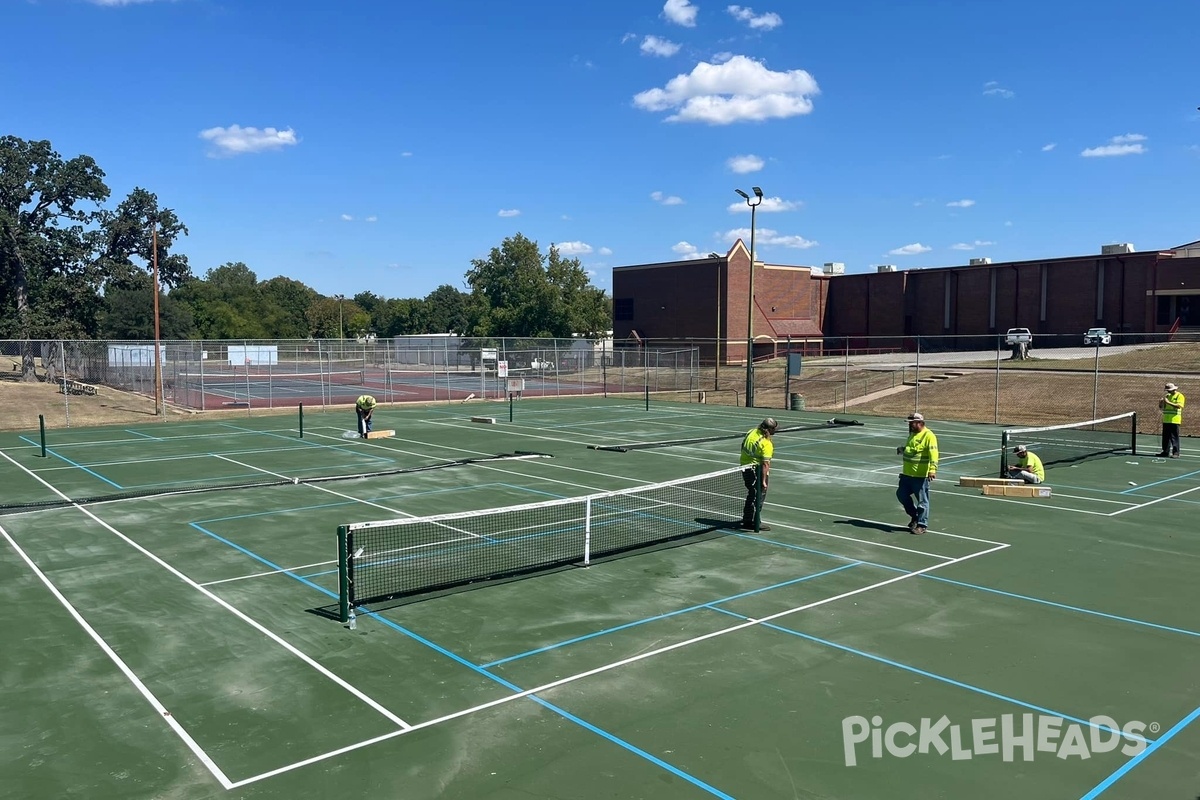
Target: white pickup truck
{"x": 1018, "y": 336}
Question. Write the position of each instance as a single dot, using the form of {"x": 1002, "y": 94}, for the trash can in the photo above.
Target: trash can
{"x": 700, "y": 397}
{"x": 797, "y": 403}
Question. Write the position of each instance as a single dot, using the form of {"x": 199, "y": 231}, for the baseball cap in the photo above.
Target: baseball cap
{"x": 916, "y": 416}
{"x": 1170, "y": 387}
{"x": 1020, "y": 449}
{"x": 769, "y": 424}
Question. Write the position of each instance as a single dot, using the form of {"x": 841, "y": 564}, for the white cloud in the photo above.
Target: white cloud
{"x": 738, "y": 90}
{"x": 1046, "y": 148}
{"x": 761, "y": 22}
{"x": 768, "y": 205}
{"x": 687, "y": 250}
{"x": 994, "y": 88}
{"x": 236, "y": 140}
{"x": 1008, "y": 223}
{"x": 743, "y": 164}
{"x": 721, "y": 57}
{"x": 970, "y": 245}
{"x": 1128, "y": 144}
{"x": 960, "y": 204}
{"x": 372, "y": 218}
{"x": 914, "y": 249}
{"x": 666, "y": 200}
{"x": 116, "y": 3}
{"x": 627, "y": 37}
{"x": 347, "y": 218}
{"x": 574, "y": 248}
{"x": 654, "y": 46}
{"x": 681, "y": 12}
{"x": 604, "y": 251}
{"x": 769, "y": 236}
{"x": 509, "y": 212}
{"x": 406, "y": 154}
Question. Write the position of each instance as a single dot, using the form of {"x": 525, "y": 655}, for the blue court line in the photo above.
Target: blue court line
{"x": 77, "y": 466}
{"x": 696, "y": 607}
{"x": 139, "y": 433}
{"x": 976, "y": 586}
{"x": 1159, "y": 483}
{"x": 936, "y": 677}
{"x": 1140, "y": 757}
{"x": 496, "y": 678}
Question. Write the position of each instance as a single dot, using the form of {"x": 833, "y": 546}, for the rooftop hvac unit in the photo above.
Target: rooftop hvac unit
{"x": 835, "y": 268}
{"x": 979, "y": 262}
{"x": 1116, "y": 249}
{"x": 886, "y": 268}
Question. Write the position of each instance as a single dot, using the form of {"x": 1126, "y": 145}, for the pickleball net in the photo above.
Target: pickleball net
{"x": 256, "y": 480}
{"x": 1073, "y": 442}
{"x": 836, "y": 422}
{"x": 396, "y": 558}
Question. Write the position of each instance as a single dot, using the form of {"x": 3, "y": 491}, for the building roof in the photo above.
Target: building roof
{"x": 795, "y": 327}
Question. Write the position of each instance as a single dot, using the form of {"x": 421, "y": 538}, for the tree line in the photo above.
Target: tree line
{"x": 73, "y": 268}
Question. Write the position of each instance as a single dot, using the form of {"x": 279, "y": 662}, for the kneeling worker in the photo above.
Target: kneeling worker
{"x": 364, "y": 407}
{"x": 1028, "y": 467}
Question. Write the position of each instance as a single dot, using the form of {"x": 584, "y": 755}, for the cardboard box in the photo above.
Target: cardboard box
{"x": 1025, "y": 490}
{"x": 990, "y": 482}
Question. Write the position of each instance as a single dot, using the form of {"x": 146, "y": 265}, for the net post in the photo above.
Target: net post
{"x": 647, "y": 395}
{"x": 343, "y": 535}
{"x": 1133, "y": 436}
{"x": 302, "y": 420}
{"x": 510, "y": 406}
{"x": 587, "y": 533}
{"x": 42, "y": 428}
{"x": 1004, "y": 454}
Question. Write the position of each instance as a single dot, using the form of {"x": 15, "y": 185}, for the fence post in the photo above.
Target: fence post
{"x": 996, "y": 413}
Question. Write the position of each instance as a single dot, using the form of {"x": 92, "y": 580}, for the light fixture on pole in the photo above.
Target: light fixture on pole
{"x": 758, "y": 198}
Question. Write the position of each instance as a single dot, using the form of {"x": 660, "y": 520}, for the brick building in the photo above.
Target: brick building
{"x": 706, "y": 299}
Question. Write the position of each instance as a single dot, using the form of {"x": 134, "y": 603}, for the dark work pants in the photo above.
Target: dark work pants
{"x": 1170, "y": 438}
{"x": 754, "y": 498}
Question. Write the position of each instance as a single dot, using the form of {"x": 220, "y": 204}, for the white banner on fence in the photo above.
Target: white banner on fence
{"x": 131, "y": 355}
{"x": 253, "y": 354}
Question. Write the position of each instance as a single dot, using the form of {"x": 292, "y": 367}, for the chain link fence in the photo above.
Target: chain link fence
{"x": 209, "y": 375}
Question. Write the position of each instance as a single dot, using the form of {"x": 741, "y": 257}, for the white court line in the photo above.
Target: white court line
{"x": 122, "y": 666}
{"x": 623, "y": 662}
{"x": 258, "y": 626}
{"x": 315, "y": 486}
{"x": 270, "y": 572}
{"x": 1152, "y": 502}
{"x": 863, "y": 541}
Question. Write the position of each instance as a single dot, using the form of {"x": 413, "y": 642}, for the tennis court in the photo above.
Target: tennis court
{"x": 189, "y": 644}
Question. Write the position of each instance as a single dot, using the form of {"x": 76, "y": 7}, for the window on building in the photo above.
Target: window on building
{"x": 623, "y": 308}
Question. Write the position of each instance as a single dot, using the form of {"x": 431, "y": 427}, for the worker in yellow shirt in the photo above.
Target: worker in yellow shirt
{"x": 757, "y": 450}
{"x": 364, "y": 407}
{"x": 1172, "y": 418}
{"x": 1028, "y": 467}
{"x": 920, "y": 464}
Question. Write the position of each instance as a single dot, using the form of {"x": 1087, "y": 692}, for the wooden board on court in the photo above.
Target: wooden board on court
{"x": 380, "y": 434}
{"x": 484, "y": 420}
{"x": 1025, "y": 490}
{"x": 977, "y": 482}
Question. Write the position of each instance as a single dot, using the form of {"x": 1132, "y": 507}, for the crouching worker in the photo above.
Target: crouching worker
{"x": 1028, "y": 467}
{"x": 364, "y": 407}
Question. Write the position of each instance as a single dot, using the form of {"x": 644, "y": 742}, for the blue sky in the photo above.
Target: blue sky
{"x": 382, "y": 145}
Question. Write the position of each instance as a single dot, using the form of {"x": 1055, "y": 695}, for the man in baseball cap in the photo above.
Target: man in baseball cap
{"x": 1172, "y": 417}
{"x": 920, "y": 454}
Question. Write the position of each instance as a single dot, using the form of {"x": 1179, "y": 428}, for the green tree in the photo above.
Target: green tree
{"x": 59, "y": 248}
{"x": 227, "y": 304}
{"x": 447, "y": 310}
{"x": 518, "y": 292}
{"x": 287, "y": 303}
{"x": 128, "y": 313}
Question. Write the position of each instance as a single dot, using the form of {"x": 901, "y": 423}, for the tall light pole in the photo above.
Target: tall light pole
{"x": 158, "y": 383}
{"x": 758, "y": 195}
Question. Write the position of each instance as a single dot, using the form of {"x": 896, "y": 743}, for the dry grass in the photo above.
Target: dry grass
{"x": 1181, "y": 358}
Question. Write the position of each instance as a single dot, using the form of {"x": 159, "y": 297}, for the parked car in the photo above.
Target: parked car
{"x": 1018, "y": 336}
{"x": 1097, "y": 336}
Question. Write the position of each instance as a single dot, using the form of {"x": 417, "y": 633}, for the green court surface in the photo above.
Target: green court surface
{"x": 182, "y": 645}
